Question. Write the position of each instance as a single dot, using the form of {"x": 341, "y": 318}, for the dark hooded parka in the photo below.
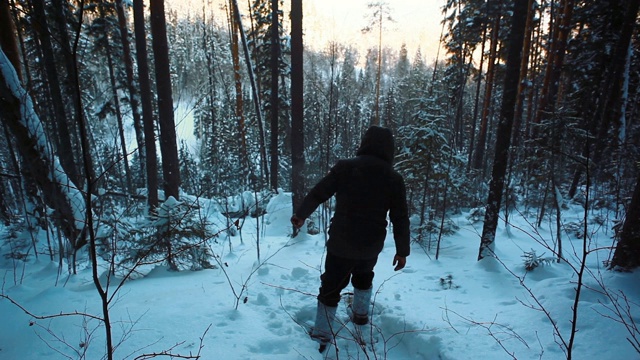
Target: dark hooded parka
{"x": 366, "y": 189}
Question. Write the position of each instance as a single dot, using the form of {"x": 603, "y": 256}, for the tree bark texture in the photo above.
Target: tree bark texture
{"x": 168, "y": 143}
{"x": 297, "y": 105}
{"x": 7, "y": 38}
{"x": 254, "y": 89}
{"x": 133, "y": 91}
{"x": 627, "y": 254}
{"x": 65, "y": 150}
{"x": 58, "y": 190}
{"x": 474, "y": 119}
{"x": 609, "y": 96}
{"x": 116, "y": 105}
{"x": 503, "y": 136}
{"x": 479, "y": 153}
{"x": 147, "y": 106}
{"x": 239, "y": 105}
{"x": 376, "y": 118}
{"x": 524, "y": 66}
{"x": 68, "y": 55}
{"x": 274, "y": 95}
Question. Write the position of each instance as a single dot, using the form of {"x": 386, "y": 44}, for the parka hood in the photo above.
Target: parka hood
{"x": 377, "y": 141}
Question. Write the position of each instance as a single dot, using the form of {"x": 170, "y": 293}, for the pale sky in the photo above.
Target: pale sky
{"x": 417, "y": 22}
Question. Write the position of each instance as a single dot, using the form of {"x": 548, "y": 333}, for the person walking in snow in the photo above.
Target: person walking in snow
{"x": 366, "y": 188}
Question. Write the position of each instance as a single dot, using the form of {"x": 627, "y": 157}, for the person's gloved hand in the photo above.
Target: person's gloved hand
{"x": 399, "y": 262}
{"x": 296, "y": 221}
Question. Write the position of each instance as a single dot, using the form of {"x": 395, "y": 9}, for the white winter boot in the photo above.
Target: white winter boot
{"x": 360, "y": 306}
{"x": 324, "y": 328}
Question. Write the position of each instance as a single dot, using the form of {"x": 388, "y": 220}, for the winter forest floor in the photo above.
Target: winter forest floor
{"x": 451, "y": 308}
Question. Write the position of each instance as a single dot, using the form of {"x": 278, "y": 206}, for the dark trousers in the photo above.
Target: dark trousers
{"x": 337, "y": 273}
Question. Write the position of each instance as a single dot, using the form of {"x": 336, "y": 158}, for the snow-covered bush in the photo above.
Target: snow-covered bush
{"x": 431, "y": 230}
{"x": 19, "y": 246}
{"x": 532, "y": 260}
{"x": 476, "y": 215}
{"x": 248, "y": 203}
{"x": 176, "y": 237}
{"x": 575, "y": 228}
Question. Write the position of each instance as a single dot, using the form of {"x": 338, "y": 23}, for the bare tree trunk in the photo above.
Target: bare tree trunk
{"x": 69, "y": 61}
{"x": 558, "y": 208}
{"x": 63, "y": 137}
{"x": 211, "y": 96}
{"x": 10, "y": 46}
{"x": 519, "y": 107}
{"x": 147, "y": 106}
{"x": 477, "y": 99}
{"x": 168, "y": 144}
{"x": 256, "y": 97}
{"x": 7, "y": 38}
{"x": 627, "y": 254}
{"x": 59, "y": 191}
{"x": 479, "y": 152}
{"x": 116, "y": 105}
{"x": 423, "y": 206}
{"x": 239, "y": 109}
{"x": 274, "y": 94}
{"x": 27, "y": 77}
{"x": 524, "y": 66}
{"x": 376, "y": 119}
{"x": 503, "y": 136}
{"x": 297, "y": 105}
{"x": 133, "y": 92}
{"x": 610, "y": 94}
{"x": 329, "y": 123}
{"x": 556, "y": 60}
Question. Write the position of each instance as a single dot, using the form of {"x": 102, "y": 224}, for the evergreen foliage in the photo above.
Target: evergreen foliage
{"x": 533, "y": 260}
{"x": 176, "y": 237}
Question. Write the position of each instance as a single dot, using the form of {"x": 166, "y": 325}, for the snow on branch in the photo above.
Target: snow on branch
{"x": 60, "y": 193}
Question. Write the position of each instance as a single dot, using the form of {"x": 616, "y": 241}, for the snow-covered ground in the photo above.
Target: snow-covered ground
{"x": 451, "y": 308}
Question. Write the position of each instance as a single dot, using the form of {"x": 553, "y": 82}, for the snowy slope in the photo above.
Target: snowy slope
{"x": 451, "y": 308}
